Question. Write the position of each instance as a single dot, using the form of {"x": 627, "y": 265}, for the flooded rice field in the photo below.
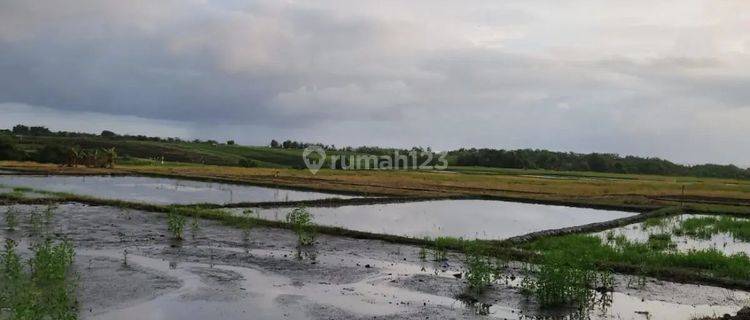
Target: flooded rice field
{"x": 128, "y": 266}
{"x": 687, "y": 232}
{"x": 159, "y": 190}
{"x": 468, "y": 219}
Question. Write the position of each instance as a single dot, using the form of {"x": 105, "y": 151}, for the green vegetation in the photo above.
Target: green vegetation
{"x": 560, "y": 280}
{"x": 595, "y": 162}
{"x": 590, "y": 250}
{"x": 705, "y": 227}
{"x": 660, "y": 242}
{"x": 42, "y": 145}
{"x": 42, "y": 290}
{"x": 480, "y": 272}
{"x": 176, "y": 224}
{"x": 300, "y": 219}
{"x": 654, "y": 223}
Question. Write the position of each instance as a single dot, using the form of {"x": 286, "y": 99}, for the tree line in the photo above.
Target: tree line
{"x": 597, "y": 162}
{"x": 485, "y": 157}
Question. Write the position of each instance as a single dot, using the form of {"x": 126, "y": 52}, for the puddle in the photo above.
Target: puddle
{"x": 469, "y": 219}
{"x": 160, "y": 190}
{"x": 640, "y": 233}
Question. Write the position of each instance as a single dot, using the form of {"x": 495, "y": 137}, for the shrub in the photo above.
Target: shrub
{"x": 45, "y": 291}
{"x": 301, "y": 222}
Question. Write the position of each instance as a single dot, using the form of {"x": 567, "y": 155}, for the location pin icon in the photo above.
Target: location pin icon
{"x": 314, "y": 163}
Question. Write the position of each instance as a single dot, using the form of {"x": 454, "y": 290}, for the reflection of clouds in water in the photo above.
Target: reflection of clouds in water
{"x": 160, "y": 190}
{"x": 455, "y": 218}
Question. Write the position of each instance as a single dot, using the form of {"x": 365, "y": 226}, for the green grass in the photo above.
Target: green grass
{"x": 41, "y": 289}
{"x": 591, "y": 250}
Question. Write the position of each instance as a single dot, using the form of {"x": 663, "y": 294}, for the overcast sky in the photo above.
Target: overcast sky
{"x": 651, "y": 78}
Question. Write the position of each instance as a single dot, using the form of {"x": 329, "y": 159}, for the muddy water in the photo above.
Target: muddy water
{"x": 224, "y": 273}
{"x": 159, "y": 190}
{"x": 469, "y": 219}
{"x": 639, "y": 232}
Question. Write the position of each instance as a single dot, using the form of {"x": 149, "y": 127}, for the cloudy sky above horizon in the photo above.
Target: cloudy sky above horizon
{"x": 668, "y": 78}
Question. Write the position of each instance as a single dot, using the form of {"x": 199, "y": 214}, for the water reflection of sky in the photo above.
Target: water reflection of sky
{"x": 159, "y": 190}
{"x": 469, "y": 219}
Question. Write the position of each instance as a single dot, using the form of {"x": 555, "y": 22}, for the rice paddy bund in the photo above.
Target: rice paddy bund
{"x": 118, "y": 247}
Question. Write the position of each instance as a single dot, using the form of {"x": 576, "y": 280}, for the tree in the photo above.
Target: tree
{"x": 9, "y": 150}
{"x": 20, "y": 130}
{"x": 274, "y": 144}
{"x": 230, "y": 142}
{"x": 51, "y": 154}
{"x": 108, "y": 134}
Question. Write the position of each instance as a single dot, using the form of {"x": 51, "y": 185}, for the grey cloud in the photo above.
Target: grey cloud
{"x": 512, "y": 74}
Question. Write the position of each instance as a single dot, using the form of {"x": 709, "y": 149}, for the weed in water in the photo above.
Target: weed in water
{"x": 176, "y": 224}
{"x": 661, "y": 242}
{"x": 49, "y": 213}
{"x": 422, "y": 254}
{"x": 591, "y": 249}
{"x": 46, "y": 290}
{"x": 247, "y": 223}
{"x": 654, "y": 222}
{"x": 705, "y": 227}
{"x": 556, "y": 281}
{"x": 479, "y": 270}
{"x": 441, "y": 245}
{"x": 195, "y": 227}
{"x": 301, "y": 222}
{"x": 11, "y": 218}
{"x": 701, "y": 228}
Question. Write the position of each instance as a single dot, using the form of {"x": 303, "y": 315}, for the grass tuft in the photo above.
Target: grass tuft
{"x": 176, "y": 224}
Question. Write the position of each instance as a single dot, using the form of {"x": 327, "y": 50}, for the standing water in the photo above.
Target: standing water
{"x": 469, "y": 219}
{"x": 159, "y": 190}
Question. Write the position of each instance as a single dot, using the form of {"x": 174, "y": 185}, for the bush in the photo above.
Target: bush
{"x": 51, "y": 154}
{"x": 247, "y": 163}
{"x": 301, "y": 222}
{"x": 9, "y": 150}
